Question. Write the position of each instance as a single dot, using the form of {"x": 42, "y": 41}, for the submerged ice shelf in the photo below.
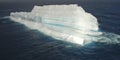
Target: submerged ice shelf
{"x": 64, "y": 22}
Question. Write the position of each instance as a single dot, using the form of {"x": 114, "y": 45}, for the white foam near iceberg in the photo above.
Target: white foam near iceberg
{"x": 63, "y": 22}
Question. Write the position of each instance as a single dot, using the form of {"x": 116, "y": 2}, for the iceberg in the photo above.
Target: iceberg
{"x": 69, "y": 23}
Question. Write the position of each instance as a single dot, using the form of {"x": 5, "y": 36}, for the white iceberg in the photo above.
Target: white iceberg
{"x": 64, "y": 22}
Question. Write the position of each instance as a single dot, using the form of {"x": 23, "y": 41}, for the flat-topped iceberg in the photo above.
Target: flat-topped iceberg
{"x": 64, "y": 22}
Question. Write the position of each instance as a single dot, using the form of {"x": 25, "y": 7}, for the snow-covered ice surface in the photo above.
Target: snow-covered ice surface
{"x": 63, "y": 22}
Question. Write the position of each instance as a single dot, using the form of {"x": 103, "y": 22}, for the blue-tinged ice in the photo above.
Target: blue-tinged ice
{"x": 64, "y": 22}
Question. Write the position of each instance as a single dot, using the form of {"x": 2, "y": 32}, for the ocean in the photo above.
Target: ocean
{"x": 17, "y": 42}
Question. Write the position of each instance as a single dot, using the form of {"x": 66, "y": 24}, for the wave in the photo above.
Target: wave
{"x": 65, "y": 22}
{"x": 109, "y": 38}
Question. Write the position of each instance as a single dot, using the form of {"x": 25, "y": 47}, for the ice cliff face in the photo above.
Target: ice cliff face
{"x": 64, "y": 22}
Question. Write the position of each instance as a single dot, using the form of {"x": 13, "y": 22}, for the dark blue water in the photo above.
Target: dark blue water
{"x": 18, "y": 42}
